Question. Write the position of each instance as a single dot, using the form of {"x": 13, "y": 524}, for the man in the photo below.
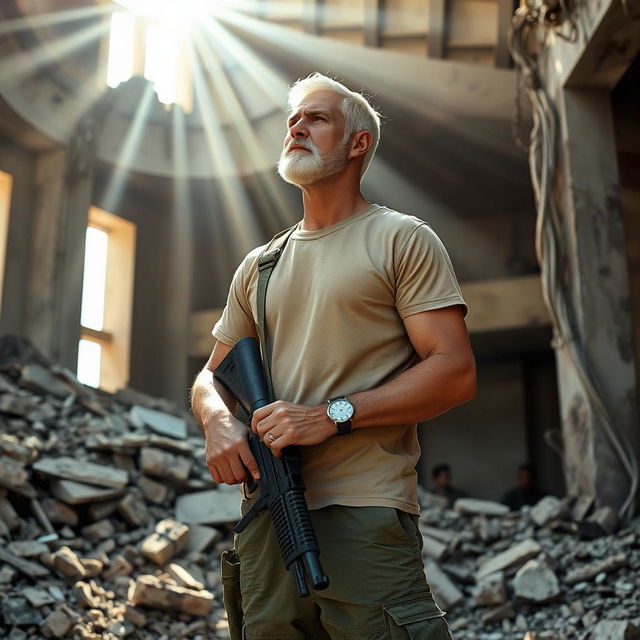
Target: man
{"x": 527, "y": 492}
{"x": 364, "y": 311}
{"x": 442, "y": 486}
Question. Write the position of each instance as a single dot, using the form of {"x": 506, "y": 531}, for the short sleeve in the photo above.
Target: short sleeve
{"x": 425, "y": 278}
{"x": 237, "y": 318}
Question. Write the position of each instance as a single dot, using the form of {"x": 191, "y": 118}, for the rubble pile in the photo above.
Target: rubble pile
{"x": 111, "y": 527}
{"x": 110, "y": 523}
{"x": 560, "y": 569}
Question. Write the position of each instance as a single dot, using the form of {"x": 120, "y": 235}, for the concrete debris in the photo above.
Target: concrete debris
{"x": 536, "y": 582}
{"x": 548, "y": 508}
{"x": 473, "y": 506}
{"x": 85, "y": 483}
{"x": 162, "y": 423}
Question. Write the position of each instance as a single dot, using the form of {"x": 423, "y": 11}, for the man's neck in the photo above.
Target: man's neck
{"x": 330, "y": 201}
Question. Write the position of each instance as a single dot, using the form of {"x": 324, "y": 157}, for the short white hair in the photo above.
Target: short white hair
{"x": 358, "y": 113}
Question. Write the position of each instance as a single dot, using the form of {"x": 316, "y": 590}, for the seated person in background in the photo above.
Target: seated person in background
{"x": 441, "y": 475}
{"x": 527, "y": 492}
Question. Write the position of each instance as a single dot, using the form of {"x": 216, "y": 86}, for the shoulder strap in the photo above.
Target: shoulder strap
{"x": 266, "y": 264}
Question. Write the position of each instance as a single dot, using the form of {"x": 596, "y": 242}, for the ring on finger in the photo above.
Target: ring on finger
{"x": 271, "y": 436}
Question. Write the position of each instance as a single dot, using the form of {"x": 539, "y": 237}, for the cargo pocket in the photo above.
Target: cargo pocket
{"x": 417, "y": 617}
{"x": 230, "y": 578}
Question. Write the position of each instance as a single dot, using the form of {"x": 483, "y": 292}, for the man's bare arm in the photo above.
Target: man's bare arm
{"x": 444, "y": 378}
{"x": 227, "y": 451}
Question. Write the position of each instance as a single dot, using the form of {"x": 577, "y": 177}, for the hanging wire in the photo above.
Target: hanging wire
{"x": 551, "y": 247}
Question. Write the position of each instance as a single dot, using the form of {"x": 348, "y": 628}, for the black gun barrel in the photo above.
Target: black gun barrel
{"x": 281, "y": 484}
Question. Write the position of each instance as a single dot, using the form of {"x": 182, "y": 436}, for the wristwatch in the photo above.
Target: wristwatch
{"x": 340, "y": 410}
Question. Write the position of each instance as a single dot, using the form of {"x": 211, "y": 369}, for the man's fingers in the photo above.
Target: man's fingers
{"x": 250, "y": 462}
{"x": 215, "y": 475}
{"x": 238, "y": 470}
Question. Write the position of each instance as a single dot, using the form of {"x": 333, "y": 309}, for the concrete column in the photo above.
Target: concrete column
{"x": 63, "y": 186}
{"x": 601, "y": 300}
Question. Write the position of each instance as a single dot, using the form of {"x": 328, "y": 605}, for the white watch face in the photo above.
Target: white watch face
{"x": 340, "y": 410}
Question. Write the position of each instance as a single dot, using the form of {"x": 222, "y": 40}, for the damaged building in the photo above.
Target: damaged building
{"x": 136, "y": 171}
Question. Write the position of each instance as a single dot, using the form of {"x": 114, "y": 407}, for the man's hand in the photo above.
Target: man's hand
{"x": 227, "y": 452}
{"x": 281, "y": 424}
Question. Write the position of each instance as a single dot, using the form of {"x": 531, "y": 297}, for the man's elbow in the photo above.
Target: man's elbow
{"x": 468, "y": 384}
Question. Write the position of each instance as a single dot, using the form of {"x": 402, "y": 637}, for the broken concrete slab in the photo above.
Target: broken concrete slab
{"x": 27, "y": 548}
{"x": 152, "y": 592}
{"x": 12, "y": 473}
{"x": 165, "y": 542}
{"x": 433, "y": 548}
{"x": 496, "y": 614}
{"x": 162, "y": 464}
{"x": 83, "y": 472}
{"x": 586, "y": 572}
{"x": 163, "y": 423}
{"x": 16, "y": 610}
{"x": 60, "y": 513}
{"x": 74, "y": 493}
{"x": 445, "y": 592}
{"x": 98, "y": 530}
{"x": 536, "y": 582}
{"x": 134, "y": 509}
{"x": 515, "y": 555}
{"x": 58, "y": 623}
{"x": 615, "y": 630}
{"x": 209, "y": 507}
{"x": 153, "y": 491}
{"x": 547, "y": 509}
{"x": 183, "y": 577}
{"x": 41, "y": 380}
{"x": 201, "y": 537}
{"x": 491, "y": 590}
{"x": 38, "y": 597}
{"x": 475, "y": 506}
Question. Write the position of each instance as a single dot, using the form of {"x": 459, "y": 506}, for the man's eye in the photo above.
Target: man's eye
{"x": 320, "y": 118}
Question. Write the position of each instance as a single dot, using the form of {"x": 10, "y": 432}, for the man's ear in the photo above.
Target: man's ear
{"x": 360, "y": 144}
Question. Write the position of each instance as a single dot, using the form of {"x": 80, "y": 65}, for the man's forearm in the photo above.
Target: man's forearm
{"x": 209, "y": 401}
{"x": 420, "y": 393}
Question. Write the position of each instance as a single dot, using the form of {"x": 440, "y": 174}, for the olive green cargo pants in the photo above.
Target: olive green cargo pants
{"x": 378, "y": 591}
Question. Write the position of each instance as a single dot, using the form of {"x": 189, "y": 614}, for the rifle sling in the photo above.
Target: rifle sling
{"x": 266, "y": 265}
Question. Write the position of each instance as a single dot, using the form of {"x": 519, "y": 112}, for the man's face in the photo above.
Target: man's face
{"x": 314, "y": 147}
{"x": 443, "y": 479}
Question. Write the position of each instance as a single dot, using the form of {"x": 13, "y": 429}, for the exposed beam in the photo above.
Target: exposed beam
{"x": 311, "y": 16}
{"x": 438, "y": 28}
{"x": 373, "y": 22}
{"x": 506, "y": 9}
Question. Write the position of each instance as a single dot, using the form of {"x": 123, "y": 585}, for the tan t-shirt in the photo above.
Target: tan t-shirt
{"x": 334, "y": 310}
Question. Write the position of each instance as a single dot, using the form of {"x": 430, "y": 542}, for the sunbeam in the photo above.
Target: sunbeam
{"x": 39, "y": 20}
{"x": 115, "y": 189}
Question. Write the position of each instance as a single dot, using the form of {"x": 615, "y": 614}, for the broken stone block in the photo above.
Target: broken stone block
{"x": 547, "y": 509}
{"x": 16, "y": 610}
{"x": 446, "y": 594}
{"x": 167, "y": 540}
{"x": 68, "y": 563}
{"x": 586, "y": 572}
{"x": 162, "y": 423}
{"x": 58, "y": 624}
{"x": 162, "y": 464}
{"x": 536, "y": 582}
{"x": 12, "y": 473}
{"x": 82, "y": 472}
{"x": 442, "y": 535}
{"x": 133, "y": 509}
{"x": 475, "y": 506}
{"x": 209, "y": 507}
{"x": 32, "y": 569}
{"x": 491, "y": 590}
{"x": 119, "y": 567}
{"x": 201, "y": 537}
{"x": 59, "y": 513}
{"x": 581, "y": 507}
{"x": 183, "y": 577}
{"x": 73, "y": 492}
{"x": 100, "y": 510}
{"x": 607, "y": 518}
{"x": 512, "y": 557}
{"x": 98, "y": 530}
{"x": 153, "y": 491}
{"x": 433, "y": 548}
{"x": 38, "y": 597}
{"x": 615, "y": 630}
{"x": 28, "y": 548}
{"x": 502, "y": 612}
{"x": 135, "y": 617}
{"x": 92, "y": 567}
{"x": 41, "y": 380}
{"x": 11, "y": 447}
{"x": 152, "y": 592}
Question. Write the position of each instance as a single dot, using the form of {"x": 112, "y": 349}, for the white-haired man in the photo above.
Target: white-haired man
{"x": 367, "y": 338}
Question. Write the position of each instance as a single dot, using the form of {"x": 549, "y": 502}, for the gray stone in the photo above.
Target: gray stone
{"x": 72, "y": 492}
{"x": 512, "y": 557}
{"x": 98, "y": 530}
{"x": 433, "y": 548}
{"x": 446, "y": 594}
{"x": 491, "y": 590}
{"x": 41, "y": 380}
{"x": 68, "y": 563}
{"x": 83, "y": 472}
{"x": 28, "y": 548}
{"x": 162, "y": 464}
{"x": 474, "y": 506}
{"x": 12, "y": 473}
{"x": 201, "y": 537}
{"x": 209, "y": 507}
{"x": 615, "y": 630}
{"x": 133, "y": 509}
{"x": 502, "y": 612}
{"x": 162, "y": 423}
{"x": 37, "y": 597}
{"x": 153, "y": 491}
{"x": 58, "y": 624}
{"x": 607, "y": 518}
{"x": 59, "y": 513}
{"x": 547, "y": 509}
{"x": 536, "y": 582}
{"x": 18, "y": 611}
{"x": 586, "y": 572}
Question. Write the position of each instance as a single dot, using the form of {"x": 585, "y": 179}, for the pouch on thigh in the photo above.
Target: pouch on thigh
{"x": 230, "y": 578}
{"x": 416, "y": 617}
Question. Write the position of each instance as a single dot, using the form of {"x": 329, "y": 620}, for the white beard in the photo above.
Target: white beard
{"x": 303, "y": 168}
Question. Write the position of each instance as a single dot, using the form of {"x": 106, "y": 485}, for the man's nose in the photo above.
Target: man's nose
{"x": 298, "y": 131}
